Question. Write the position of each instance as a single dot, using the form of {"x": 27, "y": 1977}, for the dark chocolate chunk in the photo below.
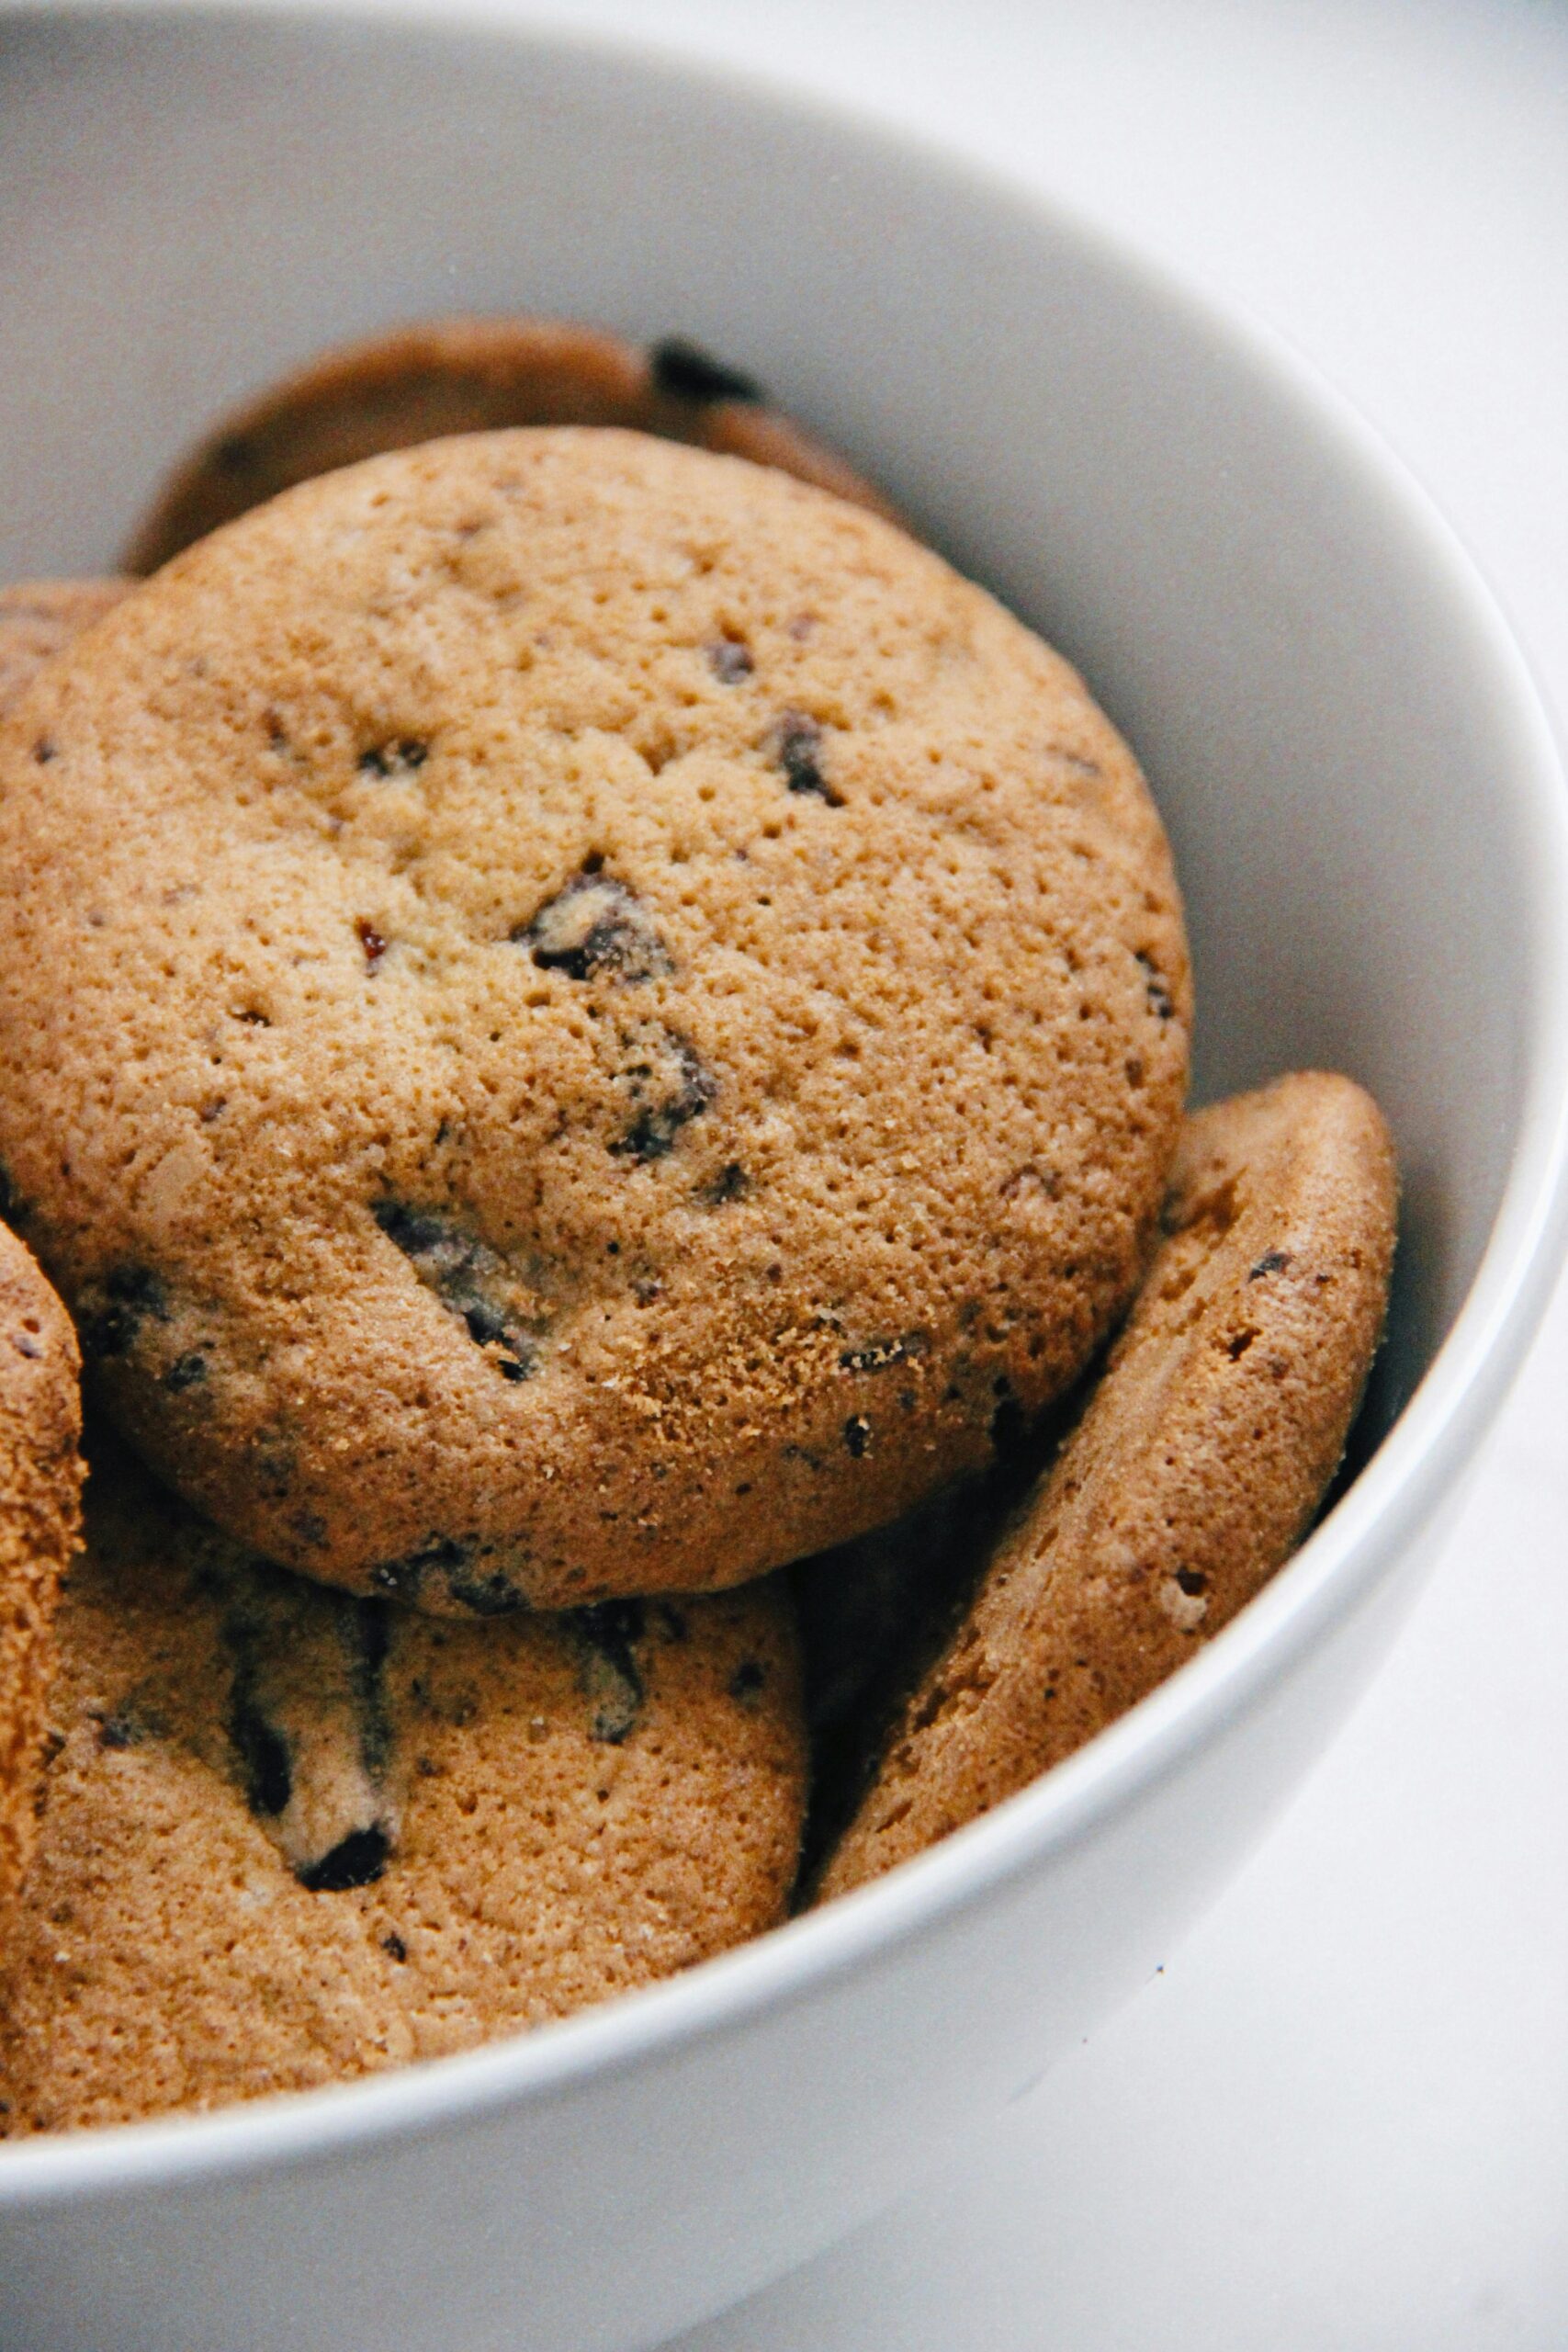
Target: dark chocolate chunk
{"x": 797, "y": 745}
{"x": 186, "y": 1372}
{"x": 357, "y": 1860}
{"x": 114, "y": 1311}
{"x": 1273, "y": 1262}
{"x": 596, "y": 928}
{"x": 494, "y": 1594}
{"x": 403, "y": 756}
{"x": 44, "y": 751}
{"x": 1161, "y": 1001}
{"x": 370, "y": 939}
{"x": 404, "y": 1577}
{"x": 730, "y": 660}
{"x": 1192, "y": 1582}
{"x": 857, "y": 1435}
{"x": 367, "y": 1631}
{"x": 731, "y": 1183}
{"x": 472, "y": 1280}
{"x": 128, "y": 1729}
{"x": 748, "y": 1679}
{"x": 393, "y": 1945}
{"x": 877, "y": 1354}
{"x": 670, "y": 1086}
{"x": 686, "y": 372}
{"x": 611, "y": 1675}
{"x": 266, "y": 1764}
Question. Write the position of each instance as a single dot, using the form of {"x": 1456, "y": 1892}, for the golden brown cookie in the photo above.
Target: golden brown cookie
{"x": 582, "y": 1018}
{"x": 292, "y": 1836}
{"x": 40, "y": 1487}
{"x": 1206, "y": 1448}
{"x": 38, "y": 617}
{"x": 448, "y": 376}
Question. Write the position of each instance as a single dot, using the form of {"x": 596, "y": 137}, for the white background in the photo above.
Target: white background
{"x": 1338, "y": 2121}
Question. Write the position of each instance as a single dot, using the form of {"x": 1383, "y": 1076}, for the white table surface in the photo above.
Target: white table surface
{"x": 1338, "y": 2122}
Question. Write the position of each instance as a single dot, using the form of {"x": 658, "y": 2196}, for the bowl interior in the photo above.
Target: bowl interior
{"x": 1325, "y": 708}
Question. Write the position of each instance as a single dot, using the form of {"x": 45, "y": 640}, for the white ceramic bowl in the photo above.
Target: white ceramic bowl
{"x": 1369, "y": 824}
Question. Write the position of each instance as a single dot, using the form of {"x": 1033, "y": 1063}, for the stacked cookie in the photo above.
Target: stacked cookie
{"x": 585, "y": 1024}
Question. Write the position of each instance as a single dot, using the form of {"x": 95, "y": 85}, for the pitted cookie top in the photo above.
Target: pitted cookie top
{"x": 581, "y": 1018}
{"x": 40, "y": 1485}
{"x": 1204, "y": 1449}
{"x": 293, "y": 1836}
{"x": 39, "y": 617}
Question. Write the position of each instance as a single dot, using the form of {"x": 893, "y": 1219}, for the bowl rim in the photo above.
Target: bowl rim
{"x": 1414, "y": 1469}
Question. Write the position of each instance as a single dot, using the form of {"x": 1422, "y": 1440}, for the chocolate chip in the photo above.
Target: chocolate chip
{"x": 472, "y": 1280}
{"x": 671, "y": 1086}
{"x": 402, "y": 757}
{"x": 611, "y": 1675}
{"x": 404, "y": 1577}
{"x": 186, "y": 1372}
{"x": 597, "y": 927}
{"x": 494, "y": 1594}
{"x": 1161, "y": 1001}
{"x": 857, "y": 1435}
{"x": 394, "y": 1947}
{"x": 44, "y": 751}
{"x": 114, "y": 1311}
{"x": 730, "y": 660}
{"x": 686, "y": 372}
{"x": 731, "y": 1183}
{"x": 877, "y": 1354}
{"x": 266, "y": 1764}
{"x": 748, "y": 1679}
{"x": 1273, "y": 1262}
{"x": 1192, "y": 1582}
{"x": 366, "y": 1629}
{"x": 796, "y": 744}
{"x": 370, "y": 939}
{"x": 126, "y": 1728}
{"x": 357, "y": 1860}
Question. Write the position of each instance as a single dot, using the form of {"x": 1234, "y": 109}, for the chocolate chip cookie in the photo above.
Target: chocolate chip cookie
{"x": 581, "y": 1018}
{"x": 292, "y": 1836}
{"x": 422, "y": 383}
{"x": 40, "y": 1485}
{"x": 1206, "y": 1448}
{"x": 38, "y": 618}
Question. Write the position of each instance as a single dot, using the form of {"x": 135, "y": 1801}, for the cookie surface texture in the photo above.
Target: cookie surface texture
{"x": 39, "y": 617}
{"x": 585, "y": 1019}
{"x": 425, "y": 382}
{"x": 40, "y": 1485}
{"x": 1204, "y": 1449}
{"x": 292, "y": 1836}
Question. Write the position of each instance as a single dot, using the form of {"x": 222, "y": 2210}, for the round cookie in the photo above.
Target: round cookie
{"x": 1206, "y": 1446}
{"x": 292, "y": 1836}
{"x": 583, "y": 1018}
{"x": 40, "y": 1485}
{"x": 450, "y": 375}
{"x": 39, "y": 617}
